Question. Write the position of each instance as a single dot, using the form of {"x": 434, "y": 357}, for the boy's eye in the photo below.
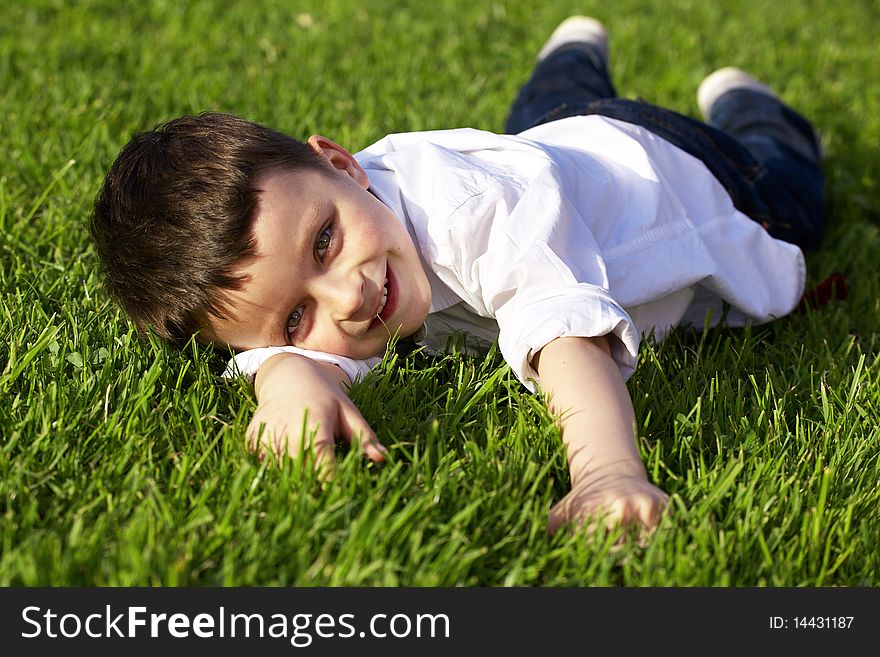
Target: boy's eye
{"x": 322, "y": 243}
{"x": 293, "y": 322}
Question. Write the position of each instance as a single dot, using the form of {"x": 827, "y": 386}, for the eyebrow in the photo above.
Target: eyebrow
{"x": 312, "y": 216}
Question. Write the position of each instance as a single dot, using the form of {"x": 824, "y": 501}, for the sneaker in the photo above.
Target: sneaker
{"x": 577, "y": 29}
{"x": 723, "y": 80}
{"x": 795, "y": 132}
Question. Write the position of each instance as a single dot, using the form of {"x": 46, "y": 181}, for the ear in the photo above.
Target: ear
{"x": 339, "y": 158}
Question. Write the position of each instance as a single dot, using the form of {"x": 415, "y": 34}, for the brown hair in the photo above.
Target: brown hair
{"x": 173, "y": 220}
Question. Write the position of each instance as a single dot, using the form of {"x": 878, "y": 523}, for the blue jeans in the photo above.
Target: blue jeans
{"x": 764, "y": 153}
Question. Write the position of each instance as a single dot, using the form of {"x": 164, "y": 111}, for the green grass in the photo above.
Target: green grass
{"x": 123, "y": 463}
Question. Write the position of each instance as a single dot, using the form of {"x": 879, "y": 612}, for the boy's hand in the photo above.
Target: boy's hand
{"x": 613, "y": 498}
{"x": 302, "y": 405}
{"x": 587, "y": 392}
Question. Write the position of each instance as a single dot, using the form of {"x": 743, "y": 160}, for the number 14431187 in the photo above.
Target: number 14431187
{"x": 811, "y": 622}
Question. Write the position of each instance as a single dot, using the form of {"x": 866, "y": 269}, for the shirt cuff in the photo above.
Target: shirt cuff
{"x": 528, "y": 325}
{"x": 246, "y": 363}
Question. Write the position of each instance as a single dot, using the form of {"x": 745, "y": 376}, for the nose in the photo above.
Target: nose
{"x": 345, "y": 297}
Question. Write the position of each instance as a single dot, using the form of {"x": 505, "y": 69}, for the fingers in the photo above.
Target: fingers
{"x": 650, "y": 511}
{"x": 557, "y": 518}
{"x": 569, "y": 513}
{"x": 562, "y": 516}
{"x": 591, "y": 511}
{"x": 283, "y": 441}
{"x": 324, "y": 448}
{"x": 358, "y": 433}
{"x": 317, "y": 437}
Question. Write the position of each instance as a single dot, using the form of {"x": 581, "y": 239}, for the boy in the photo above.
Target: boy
{"x": 593, "y": 221}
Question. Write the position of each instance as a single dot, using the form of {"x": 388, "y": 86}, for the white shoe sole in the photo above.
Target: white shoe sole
{"x": 723, "y": 80}
{"x": 577, "y": 29}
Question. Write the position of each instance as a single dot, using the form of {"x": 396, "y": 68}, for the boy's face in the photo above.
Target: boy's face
{"x": 335, "y": 270}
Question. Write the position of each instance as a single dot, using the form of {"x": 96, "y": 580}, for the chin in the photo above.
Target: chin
{"x": 418, "y": 334}
{"x": 412, "y": 326}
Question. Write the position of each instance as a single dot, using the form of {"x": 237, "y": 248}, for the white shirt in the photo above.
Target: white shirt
{"x": 585, "y": 226}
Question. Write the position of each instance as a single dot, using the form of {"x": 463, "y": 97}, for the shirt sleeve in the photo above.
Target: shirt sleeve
{"x": 246, "y": 363}
{"x": 525, "y": 257}
{"x": 528, "y": 323}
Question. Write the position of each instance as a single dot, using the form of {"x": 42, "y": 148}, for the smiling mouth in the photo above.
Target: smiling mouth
{"x": 388, "y": 303}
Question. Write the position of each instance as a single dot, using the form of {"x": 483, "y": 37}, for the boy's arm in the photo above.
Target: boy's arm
{"x": 302, "y": 403}
{"x": 587, "y": 392}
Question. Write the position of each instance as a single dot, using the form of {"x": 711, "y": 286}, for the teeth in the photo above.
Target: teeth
{"x": 384, "y": 299}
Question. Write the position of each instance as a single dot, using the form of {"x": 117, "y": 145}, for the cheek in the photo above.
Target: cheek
{"x": 399, "y": 241}
{"x": 330, "y": 339}
{"x": 378, "y": 232}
